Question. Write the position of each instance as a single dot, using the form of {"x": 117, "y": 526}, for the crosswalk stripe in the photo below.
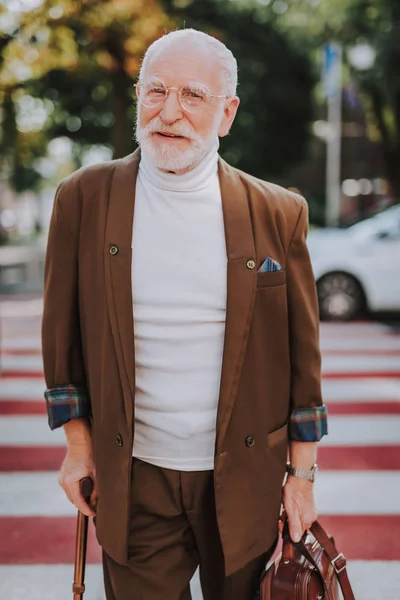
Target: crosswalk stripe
{"x": 337, "y": 492}
{"x": 364, "y": 430}
{"x": 358, "y": 408}
{"x": 16, "y": 406}
{"x": 372, "y": 580}
{"x": 22, "y": 407}
{"x": 348, "y": 458}
{"x": 348, "y": 430}
{"x": 28, "y": 389}
{"x": 372, "y": 389}
{"x": 357, "y": 488}
{"x": 354, "y": 535}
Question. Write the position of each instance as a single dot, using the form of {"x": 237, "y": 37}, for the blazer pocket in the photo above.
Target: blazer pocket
{"x": 271, "y": 278}
{"x": 277, "y": 436}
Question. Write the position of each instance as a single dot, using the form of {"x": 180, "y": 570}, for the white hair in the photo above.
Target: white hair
{"x": 216, "y": 48}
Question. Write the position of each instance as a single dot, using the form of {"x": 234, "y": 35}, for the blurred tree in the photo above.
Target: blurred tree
{"x": 78, "y": 60}
{"x": 276, "y": 82}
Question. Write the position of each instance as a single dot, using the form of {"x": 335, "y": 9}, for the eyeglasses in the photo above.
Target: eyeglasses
{"x": 193, "y": 97}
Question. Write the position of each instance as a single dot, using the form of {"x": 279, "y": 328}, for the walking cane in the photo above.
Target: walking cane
{"x": 78, "y": 587}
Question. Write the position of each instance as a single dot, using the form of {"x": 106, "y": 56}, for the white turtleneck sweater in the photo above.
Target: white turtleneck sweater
{"x": 179, "y": 305}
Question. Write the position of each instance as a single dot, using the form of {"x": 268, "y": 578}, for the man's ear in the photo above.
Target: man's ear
{"x": 229, "y": 115}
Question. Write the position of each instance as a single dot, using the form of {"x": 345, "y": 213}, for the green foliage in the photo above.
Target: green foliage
{"x": 271, "y": 130}
{"x": 80, "y": 59}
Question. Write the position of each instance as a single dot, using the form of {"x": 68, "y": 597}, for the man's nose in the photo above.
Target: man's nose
{"x": 172, "y": 109}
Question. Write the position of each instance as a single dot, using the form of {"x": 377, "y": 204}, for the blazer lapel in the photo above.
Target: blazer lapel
{"x": 241, "y": 289}
{"x": 117, "y": 261}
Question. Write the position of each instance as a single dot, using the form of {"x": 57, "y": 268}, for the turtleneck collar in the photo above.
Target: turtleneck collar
{"x": 197, "y": 178}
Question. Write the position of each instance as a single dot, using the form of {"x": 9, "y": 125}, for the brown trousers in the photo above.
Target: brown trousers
{"x": 173, "y": 530}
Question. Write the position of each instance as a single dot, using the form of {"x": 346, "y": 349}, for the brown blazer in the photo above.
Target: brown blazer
{"x": 271, "y": 361}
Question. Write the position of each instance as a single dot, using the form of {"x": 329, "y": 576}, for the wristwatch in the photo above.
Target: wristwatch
{"x": 308, "y": 474}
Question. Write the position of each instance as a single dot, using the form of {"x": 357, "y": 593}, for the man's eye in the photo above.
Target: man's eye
{"x": 156, "y": 91}
{"x": 193, "y": 94}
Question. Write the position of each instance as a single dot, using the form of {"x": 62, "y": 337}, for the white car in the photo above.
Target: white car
{"x": 358, "y": 268}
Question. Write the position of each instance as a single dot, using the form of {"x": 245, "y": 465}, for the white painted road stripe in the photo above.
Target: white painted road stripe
{"x": 48, "y": 582}
{"x": 22, "y": 363}
{"x": 29, "y": 431}
{"x": 358, "y": 492}
{"x": 330, "y": 364}
{"x": 28, "y": 388}
{"x": 21, "y": 343}
{"x": 370, "y": 344}
{"x": 336, "y": 493}
{"x": 333, "y": 390}
{"x": 361, "y": 390}
{"x": 371, "y": 580}
{"x": 349, "y": 430}
{"x": 353, "y": 328}
{"x": 366, "y": 430}
{"x": 26, "y": 308}
{"x": 356, "y": 363}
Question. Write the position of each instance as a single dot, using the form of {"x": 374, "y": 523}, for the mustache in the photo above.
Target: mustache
{"x": 177, "y": 129}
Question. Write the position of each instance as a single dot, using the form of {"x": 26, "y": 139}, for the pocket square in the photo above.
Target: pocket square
{"x": 269, "y": 265}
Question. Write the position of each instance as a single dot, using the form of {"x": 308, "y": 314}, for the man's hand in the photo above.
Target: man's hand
{"x": 299, "y": 504}
{"x": 78, "y": 463}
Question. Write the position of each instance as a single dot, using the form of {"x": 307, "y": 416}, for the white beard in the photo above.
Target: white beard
{"x": 168, "y": 158}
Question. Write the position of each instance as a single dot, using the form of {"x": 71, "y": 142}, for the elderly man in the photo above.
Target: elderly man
{"x": 180, "y": 343}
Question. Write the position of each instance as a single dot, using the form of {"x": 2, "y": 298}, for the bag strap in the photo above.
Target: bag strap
{"x": 336, "y": 558}
{"x": 302, "y": 548}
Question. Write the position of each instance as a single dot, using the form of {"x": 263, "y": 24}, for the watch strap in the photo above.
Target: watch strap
{"x": 308, "y": 474}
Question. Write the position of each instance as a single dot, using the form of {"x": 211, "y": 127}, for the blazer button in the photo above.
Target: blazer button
{"x": 119, "y": 441}
{"x": 250, "y": 264}
{"x": 113, "y": 250}
{"x": 250, "y": 441}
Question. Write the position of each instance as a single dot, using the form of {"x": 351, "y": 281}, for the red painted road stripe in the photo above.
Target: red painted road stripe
{"x": 395, "y": 374}
{"x": 21, "y": 374}
{"x": 23, "y": 407}
{"x": 20, "y": 352}
{"x": 31, "y": 458}
{"x": 50, "y": 540}
{"x": 42, "y": 540}
{"x": 362, "y": 408}
{"x": 346, "y": 458}
{"x": 365, "y": 537}
{"x": 333, "y": 352}
{"x": 360, "y": 352}
{"x": 359, "y": 458}
{"x": 362, "y": 374}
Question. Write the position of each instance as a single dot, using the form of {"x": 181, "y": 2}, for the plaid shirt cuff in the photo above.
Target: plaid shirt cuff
{"x": 66, "y": 402}
{"x": 308, "y": 424}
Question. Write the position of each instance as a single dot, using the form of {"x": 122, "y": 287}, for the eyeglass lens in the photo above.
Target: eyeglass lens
{"x": 192, "y": 96}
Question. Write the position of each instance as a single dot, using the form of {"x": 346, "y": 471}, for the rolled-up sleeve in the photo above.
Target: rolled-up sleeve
{"x": 66, "y": 394}
{"x": 64, "y": 403}
{"x": 308, "y": 418}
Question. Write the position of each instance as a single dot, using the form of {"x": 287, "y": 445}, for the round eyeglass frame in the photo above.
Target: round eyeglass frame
{"x": 179, "y": 91}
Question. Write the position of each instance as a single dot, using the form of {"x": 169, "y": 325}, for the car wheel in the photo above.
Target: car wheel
{"x": 340, "y": 297}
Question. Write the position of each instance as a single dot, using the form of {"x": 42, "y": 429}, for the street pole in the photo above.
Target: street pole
{"x": 333, "y": 91}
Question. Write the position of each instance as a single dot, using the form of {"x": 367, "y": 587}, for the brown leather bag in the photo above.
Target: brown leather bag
{"x": 311, "y": 569}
